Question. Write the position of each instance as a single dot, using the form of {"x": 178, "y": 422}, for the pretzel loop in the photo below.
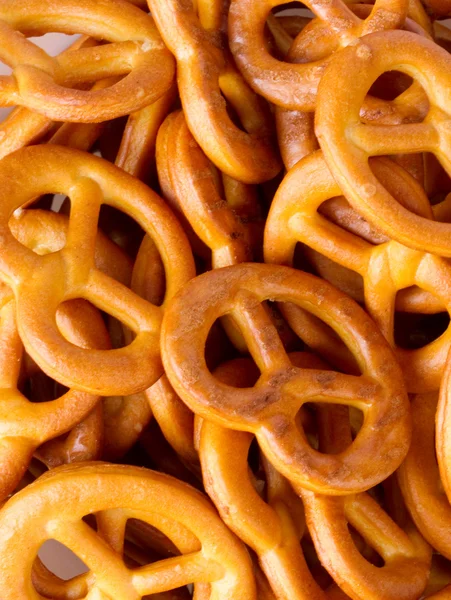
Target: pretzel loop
{"x": 269, "y": 408}
{"x": 40, "y": 82}
{"x": 347, "y": 143}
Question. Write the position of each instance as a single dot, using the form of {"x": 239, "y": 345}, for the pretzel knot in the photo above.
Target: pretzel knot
{"x": 269, "y": 408}
{"x": 43, "y": 83}
{"x": 205, "y": 72}
{"x": 42, "y": 283}
{"x": 347, "y": 143}
{"x": 386, "y": 268}
{"x": 294, "y": 86}
{"x": 45, "y": 510}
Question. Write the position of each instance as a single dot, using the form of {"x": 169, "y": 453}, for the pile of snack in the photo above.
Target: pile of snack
{"x": 225, "y": 283}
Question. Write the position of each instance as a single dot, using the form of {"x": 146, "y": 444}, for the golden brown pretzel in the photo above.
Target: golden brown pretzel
{"x": 295, "y": 129}
{"x": 269, "y": 408}
{"x": 294, "y": 86}
{"x": 116, "y": 493}
{"x": 205, "y": 72}
{"x": 406, "y": 556}
{"x": 40, "y": 82}
{"x": 385, "y": 268}
{"x": 270, "y": 528}
{"x": 31, "y": 424}
{"x": 442, "y": 433}
{"x": 419, "y": 477}
{"x": 89, "y": 181}
{"x": 347, "y": 143}
{"x": 26, "y": 425}
{"x": 193, "y": 184}
{"x": 24, "y": 126}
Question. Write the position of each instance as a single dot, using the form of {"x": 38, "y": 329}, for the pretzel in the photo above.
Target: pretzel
{"x": 45, "y": 232}
{"x": 420, "y": 480}
{"x": 269, "y": 408}
{"x": 347, "y": 143}
{"x": 175, "y": 420}
{"x": 438, "y": 8}
{"x": 295, "y": 129}
{"x": 89, "y": 181}
{"x": 83, "y": 443}
{"x": 442, "y": 436}
{"x": 140, "y": 544}
{"x": 42, "y": 83}
{"x": 294, "y": 86}
{"x": 406, "y": 556}
{"x": 24, "y": 126}
{"x": 192, "y": 184}
{"x": 204, "y": 71}
{"x": 385, "y": 268}
{"x": 118, "y": 494}
{"x": 26, "y": 425}
{"x": 342, "y": 214}
{"x": 272, "y": 529}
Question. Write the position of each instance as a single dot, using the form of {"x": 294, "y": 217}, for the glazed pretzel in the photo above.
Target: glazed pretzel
{"x": 442, "y": 434}
{"x": 26, "y": 425}
{"x": 342, "y": 214}
{"x": 42, "y": 83}
{"x": 31, "y": 424}
{"x": 385, "y": 268}
{"x": 83, "y": 443}
{"x": 174, "y": 418}
{"x": 192, "y": 184}
{"x": 115, "y": 494}
{"x": 272, "y": 528}
{"x": 419, "y": 477}
{"x": 220, "y": 219}
{"x": 24, "y": 126}
{"x": 89, "y": 182}
{"x": 295, "y": 128}
{"x": 406, "y": 556}
{"x": 269, "y": 408}
{"x": 294, "y": 86}
{"x": 204, "y": 73}
{"x": 347, "y": 143}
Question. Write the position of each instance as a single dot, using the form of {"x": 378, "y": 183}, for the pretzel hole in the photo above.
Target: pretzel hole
{"x": 292, "y": 9}
{"x": 365, "y": 548}
{"x": 39, "y": 387}
{"x": 145, "y": 544}
{"x": 121, "y": 229}
{"x": 153, "y": 543}
{"x": 30, "y": 226}
{"x": 413, "y": 331}
{"x": 219, "y": 346}
{"x": 308, "y": 422}
{"x": 320, "y": 575}
{"x": 61, "y": 561}
{"x": 390, "y": 85}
